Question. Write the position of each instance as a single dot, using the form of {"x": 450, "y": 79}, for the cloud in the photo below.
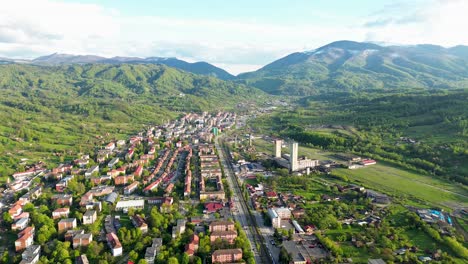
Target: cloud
{"x": 437, "y": 22}
{"x": 35, "y": 28}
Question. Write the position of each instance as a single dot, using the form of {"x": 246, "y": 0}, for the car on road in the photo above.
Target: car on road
{"x": 273, "y": 242}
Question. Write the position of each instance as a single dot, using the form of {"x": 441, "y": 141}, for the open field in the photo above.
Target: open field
{"x": 398, "y": 182}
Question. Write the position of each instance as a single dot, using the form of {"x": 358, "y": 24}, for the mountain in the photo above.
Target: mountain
{"x": 202, "y": 68}
{"x": 50, "y": 109}
{"x": 351, "y": 66}
{"x": 57, "y": 58}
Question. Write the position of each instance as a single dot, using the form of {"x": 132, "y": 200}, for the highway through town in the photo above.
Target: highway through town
{"x": 242, "y": 214}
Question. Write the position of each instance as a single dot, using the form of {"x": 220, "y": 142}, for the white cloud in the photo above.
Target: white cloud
{"x": 33, "y": 28}
{"x": 440, "y": 22}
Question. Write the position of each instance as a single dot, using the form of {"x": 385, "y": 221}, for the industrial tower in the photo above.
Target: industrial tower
{"x": 278, "y": 145}
{"x": 293, "y": 158}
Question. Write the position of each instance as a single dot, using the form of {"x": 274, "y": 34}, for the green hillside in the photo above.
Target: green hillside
{"x": 47, "y": 111}
{"x": 352, "y": 66}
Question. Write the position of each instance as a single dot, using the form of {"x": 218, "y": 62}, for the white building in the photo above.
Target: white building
{"x": 275, "y": 220}
{"x": 125, "y": 205}
{"x": 113, "y": 162}
{"x": 90, "y": 171}
{"x": 31, "y": 255}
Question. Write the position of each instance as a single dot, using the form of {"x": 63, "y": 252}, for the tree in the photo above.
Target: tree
{"x": 133, "y": 256}
{"x": 172, "y": 260}
{"x": 7, "y": 218}
{"x": 284, "y": 256}
{"x": 185, "y": 259}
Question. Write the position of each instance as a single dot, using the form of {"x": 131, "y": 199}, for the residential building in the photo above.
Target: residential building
{"x": 226, "y": 255}
{"x": 60, "y": 212}
{"x": 22, "y": 215}
{"x": 116, "y": 172}
{"x": 70, "y": 234}
{"x": 63, "y": 199}
{"x": 31, "y": 255}
{"x": 228, "y": 236}
{"x": 113, "y": 162}
{"x": 83, "y": 259}
{"x": 66, "y": 224}
{"x": 16, "y": 210}
{"x": 28, "y": 230}
{"x": 21, "y": 224}
{"x": 114, "y": 243}
{"x": 24, "y": 241}
{"x": 192, "y": 246}
{"x": 131, "y": 188}
{"x": 110, "y": 146}
{"x": 82, "y": 240}
{"x": 179, "y": 228}
{"x": 222, "y": 226}
{"x": 139, "y": 171}
{"x": 140, "y": 223}
{"x": 124, "y": 179}
{"x": 152, "y": 251}
{"x": 89, "y": 217}
{"x": 275, "y": 219}
{"x": 91, "y": 171}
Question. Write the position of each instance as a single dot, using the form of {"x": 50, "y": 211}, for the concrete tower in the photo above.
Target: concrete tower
{"x": 293, "y": 162}
{"x": 278, "y": 145}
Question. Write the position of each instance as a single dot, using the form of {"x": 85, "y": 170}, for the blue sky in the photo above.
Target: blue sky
{"x": 236, "y": 35}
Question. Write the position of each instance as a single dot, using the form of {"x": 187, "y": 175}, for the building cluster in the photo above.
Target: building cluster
{"x": 224, "y": 231}
{"x": 23, "y": 180}
{"x": 21, "y": 219}
{"x": 211, "y": 184}
{"x": 434, "y": 216}
{"x": 292, "y": 161}
{"x": 120, "y": 172}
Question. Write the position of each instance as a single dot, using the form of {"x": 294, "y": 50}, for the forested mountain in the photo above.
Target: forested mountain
{"x": 202, "y": 68}
{"x": 45, "y": 109}
{"x": 73, "y": 87}
{"x": 354, "y": 66}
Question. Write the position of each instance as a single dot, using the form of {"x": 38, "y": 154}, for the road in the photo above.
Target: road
{"x": 242, "y": 213}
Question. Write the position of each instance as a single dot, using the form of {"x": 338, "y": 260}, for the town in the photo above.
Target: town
{"x": 190, "y": 191}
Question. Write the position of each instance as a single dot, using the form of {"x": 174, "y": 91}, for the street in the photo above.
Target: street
{"x": 242, "y": 214}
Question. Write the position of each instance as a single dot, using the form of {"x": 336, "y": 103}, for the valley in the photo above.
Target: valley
{"x": 191, "y": 152}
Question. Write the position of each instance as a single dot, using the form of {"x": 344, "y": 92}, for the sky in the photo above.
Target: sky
{"x": 239, "y": 36}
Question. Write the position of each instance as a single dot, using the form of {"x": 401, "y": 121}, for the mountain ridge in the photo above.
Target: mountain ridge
{"x": 202, "y": 68}
{"x": 350, "y": 65}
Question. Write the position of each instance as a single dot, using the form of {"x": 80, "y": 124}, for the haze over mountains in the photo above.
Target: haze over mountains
{"x": 338, "y": 66}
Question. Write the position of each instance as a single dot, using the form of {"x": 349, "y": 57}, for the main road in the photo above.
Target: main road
{"x": 241, "y": 212}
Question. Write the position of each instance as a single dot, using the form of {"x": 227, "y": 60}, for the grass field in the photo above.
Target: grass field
{"x": 396, "y": 181}
{"x": 391, "y": 179}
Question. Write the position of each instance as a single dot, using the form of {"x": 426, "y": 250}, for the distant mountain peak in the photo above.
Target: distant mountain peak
{"x": 351, "y": 45}
{"x": 351, "y": 65}
{"x": 202, "y": 68}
